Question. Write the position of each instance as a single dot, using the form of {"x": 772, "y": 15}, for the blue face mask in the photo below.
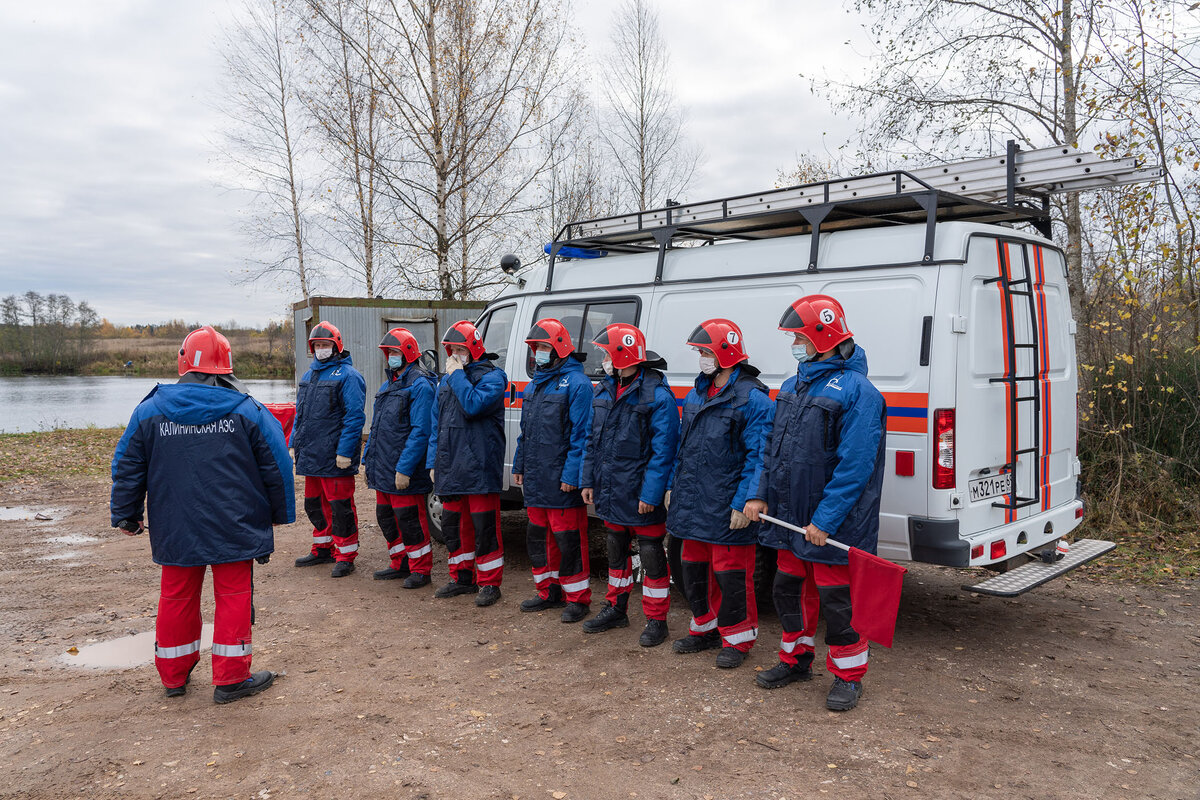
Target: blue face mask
{"x": 800, "y": 353}
{"x": 396, "y": 362}
{"x": 541, "y": 357}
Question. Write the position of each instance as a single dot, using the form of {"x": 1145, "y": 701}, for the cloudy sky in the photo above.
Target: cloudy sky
{"x": 111, "y": 191}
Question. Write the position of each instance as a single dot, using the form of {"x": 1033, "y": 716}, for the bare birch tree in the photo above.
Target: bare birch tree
{"x": 469, "y": 86}
{"x": 644, "y": 130}
{"x": 265, "y": 141}
{"x": 958, "y": 76}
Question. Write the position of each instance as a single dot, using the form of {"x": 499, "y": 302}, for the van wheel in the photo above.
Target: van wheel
{"x": 433, "y": 510}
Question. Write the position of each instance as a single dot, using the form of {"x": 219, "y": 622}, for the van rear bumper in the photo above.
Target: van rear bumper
{"x": 936, "y": 541}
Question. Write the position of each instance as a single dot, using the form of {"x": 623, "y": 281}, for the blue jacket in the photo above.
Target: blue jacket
{"x": 825, "y": 457}
{"x": 400, "y": 425}
{"x": 720, "y": 458}
{"x": 631, "y": 451}
{"x": 557, "y": 405}
{"x": 466, "y": 448}
{"x": 330, "y": 412}
{"x": 213, "y": 468}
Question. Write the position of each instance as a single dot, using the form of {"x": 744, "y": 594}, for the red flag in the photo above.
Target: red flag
{"x": 875, "y": 585}
{"x": 285, "y": 413}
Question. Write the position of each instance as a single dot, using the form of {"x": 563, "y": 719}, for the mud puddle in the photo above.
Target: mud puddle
{"x": 124, "y": 653}
{"x": 28, "y": 513}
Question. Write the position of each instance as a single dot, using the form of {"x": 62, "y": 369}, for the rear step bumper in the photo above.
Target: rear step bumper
{"x": 1028, "y": 576}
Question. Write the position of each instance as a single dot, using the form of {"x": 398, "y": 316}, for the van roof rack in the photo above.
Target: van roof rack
{"x": 1013, "y": 188}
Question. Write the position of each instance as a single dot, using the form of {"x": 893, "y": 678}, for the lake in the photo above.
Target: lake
{"x": 43, "y": 403}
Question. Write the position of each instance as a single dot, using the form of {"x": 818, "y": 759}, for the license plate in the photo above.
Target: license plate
{"x": 990, "y": 486}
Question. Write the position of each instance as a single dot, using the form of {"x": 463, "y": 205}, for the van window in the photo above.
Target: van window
{"x": 496, "y": 327}
{"x": 585, "y": 320}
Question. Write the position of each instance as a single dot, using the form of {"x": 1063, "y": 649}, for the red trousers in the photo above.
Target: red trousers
{"x": 471, "y": 523}
{"x": 802, "y": 590}
{"x": 405, "y": 525}
{"x": 718, "y": 581}
{"x": 557, "y": 540}
{"x": 177, "y": 630}
{"x": 329, "y": 504}
{"x": 656, "y": 575}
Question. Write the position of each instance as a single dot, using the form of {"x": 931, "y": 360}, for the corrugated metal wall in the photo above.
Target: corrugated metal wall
{"x": 363, "y": 323}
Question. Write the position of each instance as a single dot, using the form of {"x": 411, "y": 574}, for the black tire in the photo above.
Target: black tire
{"x": 433, "y": 508}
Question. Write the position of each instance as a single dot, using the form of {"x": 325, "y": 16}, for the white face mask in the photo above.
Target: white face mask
{"x": 463, "y": 358}
{"x": 606, "y": 365}
{"x": 708, "y": 364}
{"x": 323, "y": 352}
{"x": 801, "y": 354}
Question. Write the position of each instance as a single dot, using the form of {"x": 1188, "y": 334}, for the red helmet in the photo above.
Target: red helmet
{"x": 325, "y": 332}
{"x": 205, "y": 350}
{"x": 624, "y": 343}
{"x": 723, "y": 337}
{"x": 554, "y": 333}
{"x": 464, "y": 334}
{"x": 818, "y": 318}
{"x": 400, "y": 340}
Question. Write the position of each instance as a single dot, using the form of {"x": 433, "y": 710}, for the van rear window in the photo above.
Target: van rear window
{"x": 585, "y": 320}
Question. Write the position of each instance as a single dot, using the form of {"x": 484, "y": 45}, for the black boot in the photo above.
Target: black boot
{"x": 654, "y": 634}
{"x": 694, "y": 644}
{"x": 782, "y": 674}
{"x": 574, "y": 612}
{"x": 342, "y": 568}
{"x": 180, "y": 691}
{"x": 730, "y": 658}
{"x": 390, "y": 574}
{"x": 538, "y": 603}
{"x": 843, "y": 695}
{"x": 609, "y": 617}
{"x": 488, "y": 595}
{"x": 322, "y": 556}
{"x": 415, "y": 581}
{"x": 456, "y": 587}
{"x": 252, "y": 685}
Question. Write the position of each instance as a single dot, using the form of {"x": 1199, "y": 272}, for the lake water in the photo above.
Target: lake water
{"x": 39, "y": 403}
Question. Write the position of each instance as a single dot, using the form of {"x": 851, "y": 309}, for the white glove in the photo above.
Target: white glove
{"x": 452, "y": 365}
{"x": 343, "y": 462}
{"x": 430, "y": 476}
{"x": 737, "y": 520}
{"x": 667, "y": 499}
{"x": 402, "y": 481}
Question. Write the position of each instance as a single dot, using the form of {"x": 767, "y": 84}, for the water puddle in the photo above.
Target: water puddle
{"x": 28, "y": 513}
{"x": 124, "y": 653}
{"x": 72, "y": 538}
{"x": 66, "y": 555}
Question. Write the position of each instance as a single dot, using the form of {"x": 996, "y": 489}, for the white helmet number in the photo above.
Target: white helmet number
{"x": 628, "y": 340}
{"x": 477, "y": 336}
{"x": 827, "y": 316}
{"x": 731, "y": 337}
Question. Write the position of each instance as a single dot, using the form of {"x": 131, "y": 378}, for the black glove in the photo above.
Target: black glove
{"x": 263, "y": 559}
{"x": 130, "y": 526}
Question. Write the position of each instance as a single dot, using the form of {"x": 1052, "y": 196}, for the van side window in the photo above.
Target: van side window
{"x": 496, "y": 328}
{"x": 585, "y": 320}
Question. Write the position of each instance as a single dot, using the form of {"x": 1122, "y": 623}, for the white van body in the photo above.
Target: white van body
{"x": 937, "y": 335}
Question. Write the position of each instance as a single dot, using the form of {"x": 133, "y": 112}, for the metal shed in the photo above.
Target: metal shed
{"x": 364, "y": 321}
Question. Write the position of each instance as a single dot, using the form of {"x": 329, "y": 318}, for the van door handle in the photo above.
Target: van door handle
{"x": 512, "y": 393}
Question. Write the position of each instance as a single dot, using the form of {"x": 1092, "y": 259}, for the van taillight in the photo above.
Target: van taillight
{"x": 943, "y": 439}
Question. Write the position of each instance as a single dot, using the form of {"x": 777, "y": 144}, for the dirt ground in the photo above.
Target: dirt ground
{"x": 1077, "y": 689}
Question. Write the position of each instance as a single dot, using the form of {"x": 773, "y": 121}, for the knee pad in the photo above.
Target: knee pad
{"x": 571, "y": 557}
{"x": 451, "y": 521}
{"x": 835, "y": 608}
{"x": 786, "y": 591}
{"x": 654, "y": 557}
{"x": 408, "y": 522}
{"x": 733, "y": 597}
{"x": 693, "y": 579}
{"x": 343, "y": 517}
{"x": 486, "y": 535}
{"x": 316, "y": 514}
{"x": 535, "y": 544}
{"x": 618, "y": 549}
{"x": 387, "y": 522}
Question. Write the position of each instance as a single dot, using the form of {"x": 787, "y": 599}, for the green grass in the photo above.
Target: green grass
{"x": 28, "y": 457}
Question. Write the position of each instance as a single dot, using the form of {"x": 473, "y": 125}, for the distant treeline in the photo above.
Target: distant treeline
{"x": 53, "y": 335}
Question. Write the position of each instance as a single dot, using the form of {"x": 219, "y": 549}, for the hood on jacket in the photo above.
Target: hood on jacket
{"x": 195, "y": 403}
{"x": 336, "y": 360}
{"x": 567, "y": 364}
{"x": 812, "y": 370}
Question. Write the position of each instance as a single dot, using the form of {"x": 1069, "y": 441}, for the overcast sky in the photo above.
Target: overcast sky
{"x": 110, "y": 191}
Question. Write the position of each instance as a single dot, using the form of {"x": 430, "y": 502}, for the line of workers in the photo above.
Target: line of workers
{"x": 813, "y": 457}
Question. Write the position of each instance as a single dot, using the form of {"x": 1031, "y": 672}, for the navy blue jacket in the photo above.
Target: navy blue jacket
{"x": 400, "y": 423}
{"x": 631, "y": 451}
{"x": 466, "y": 448}
{"x": 825, "y": 457}
{"x": 557, "y": 405}
{"x": 721, "y": 450}
{"x": 330, "y": 412}
{"x": 213, "y": 468}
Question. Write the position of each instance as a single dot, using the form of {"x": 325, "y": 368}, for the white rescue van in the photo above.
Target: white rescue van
{"x": 960, "y": 303}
